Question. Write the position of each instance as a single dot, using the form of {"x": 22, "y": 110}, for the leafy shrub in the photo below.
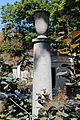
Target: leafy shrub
{"x": 69, "y": 44}
{"x": 15, "y": 93}
{"x": 60, "y": 108}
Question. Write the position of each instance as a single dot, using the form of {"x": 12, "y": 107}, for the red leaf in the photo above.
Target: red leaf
{"x": 76, "y": 33}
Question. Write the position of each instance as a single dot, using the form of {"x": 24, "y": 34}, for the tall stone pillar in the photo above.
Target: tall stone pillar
{"x": 42, "y": 60}
{"x": 42, "y": 69}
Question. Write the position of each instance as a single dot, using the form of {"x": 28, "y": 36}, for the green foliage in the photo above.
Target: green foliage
{"x": 71, "y": 48}
{"x": 11, "y": 42}
{"x": 26, "y": 61}
{"x": 15, "y": 93}
{"x": 21, "y": 18}
{"x": 60, "y": 108}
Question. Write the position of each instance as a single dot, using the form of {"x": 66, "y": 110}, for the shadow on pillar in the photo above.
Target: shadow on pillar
{"x": 46, "y": 48}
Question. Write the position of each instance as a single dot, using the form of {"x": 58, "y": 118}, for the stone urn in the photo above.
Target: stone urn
{"x": 41, "y": 18}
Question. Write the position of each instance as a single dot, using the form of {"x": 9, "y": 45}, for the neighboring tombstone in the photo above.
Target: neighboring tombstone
{"x": 18, "y": 71}
{"x": 14, "y": 71}
{"x": 57, "y": 61}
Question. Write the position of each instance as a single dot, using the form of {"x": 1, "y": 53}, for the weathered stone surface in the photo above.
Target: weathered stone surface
{"x": 41, "y": 21}
{"x": 42, "y": 69}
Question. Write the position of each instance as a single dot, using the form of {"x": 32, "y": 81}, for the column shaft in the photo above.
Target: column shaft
{"x": 42, "y": 70}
